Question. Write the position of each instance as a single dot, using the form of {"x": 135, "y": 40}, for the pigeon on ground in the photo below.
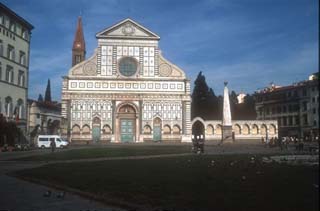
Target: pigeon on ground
{"x": 47, "y": 193}
{"x": 61, "y": 195}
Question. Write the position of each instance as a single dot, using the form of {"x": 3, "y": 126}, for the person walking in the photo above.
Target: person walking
{"x": 53, "y": 145}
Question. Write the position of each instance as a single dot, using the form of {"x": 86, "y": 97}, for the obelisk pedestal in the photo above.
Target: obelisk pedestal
{"x": 227, "y": 133}
{"x": 226, "y": 118}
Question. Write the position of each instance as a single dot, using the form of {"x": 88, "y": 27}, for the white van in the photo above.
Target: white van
{"x": 44, "y": 141}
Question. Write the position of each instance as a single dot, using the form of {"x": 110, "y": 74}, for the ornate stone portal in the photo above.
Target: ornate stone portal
{"x": 126, "y": 91}
{"x": 226, "y": 117}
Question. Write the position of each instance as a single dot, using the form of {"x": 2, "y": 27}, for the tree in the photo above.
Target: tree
{"x": 204, "y": 101}
{"x": 207, "y": 105}
{"x": 40, "y": 98}
{"x": 47, "y": 97}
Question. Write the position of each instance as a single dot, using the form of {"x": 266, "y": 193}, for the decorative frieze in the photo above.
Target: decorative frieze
{"x": 140, "y": 86}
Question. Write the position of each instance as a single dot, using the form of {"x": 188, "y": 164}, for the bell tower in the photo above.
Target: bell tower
{"x": 79, "y": 45}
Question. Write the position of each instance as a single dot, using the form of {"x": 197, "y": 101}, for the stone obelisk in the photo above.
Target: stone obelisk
{"x": 226, "y": 117}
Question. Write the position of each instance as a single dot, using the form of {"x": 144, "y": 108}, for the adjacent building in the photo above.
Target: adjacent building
{"x": 126, "y": 91}
{"x": 295, "y": 107}
{"x": 15, "y": 34}
{"x": 44, "y": 117}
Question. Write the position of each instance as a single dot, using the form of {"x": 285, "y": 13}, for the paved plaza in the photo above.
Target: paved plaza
{"x": 22, "y": 195}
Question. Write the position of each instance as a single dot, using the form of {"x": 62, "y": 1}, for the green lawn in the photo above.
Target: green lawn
{"x": 191, "y": 182}
{"x": 111, "y": 151}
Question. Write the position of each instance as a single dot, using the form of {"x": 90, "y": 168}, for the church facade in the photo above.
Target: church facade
{"x": 126, "y": 91}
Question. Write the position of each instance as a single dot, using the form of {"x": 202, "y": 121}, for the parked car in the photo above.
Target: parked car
{"x": 44, "y": 141}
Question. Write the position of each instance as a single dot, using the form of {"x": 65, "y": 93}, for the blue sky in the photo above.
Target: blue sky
{"x": 249, "y": 43}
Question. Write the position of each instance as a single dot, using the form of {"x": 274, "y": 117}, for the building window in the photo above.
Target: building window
{"x": 21, "y": 78}
{"x": 22, "y": 58}
{"x": 24, "y": 34}
{"x": 11, "y": 52}
{"x": 1, "y": 48}
{"x": 290, "y": 108}
{"x": 295, "y": 93}
{"x": 297, "y": 120}
{"x": 78, "y": 59}
{"x": 284, "y": 109}
{"x": 313, "y": 99}
{"x": 314, "y": 110}
{"x": 0, "y": 71}
{"x": 9, "y": 74}
{"x": 304, "y": 92}
{"x": 290, "y": 120}
{"x": 305, "y": 119}
{"x": 1, "y": 19}
{"x": 284, "y": 121}
{"x": 6, "y": 23}
{"x": 18, "y": 112}
{"x": 314, "y": 123}
{"x": 38, "y": 116}
{"x": 304, "y": 104}
{"x": 12, "y": 27}
{"x": 279, "y": 109}
{"x": 8, "y": 106}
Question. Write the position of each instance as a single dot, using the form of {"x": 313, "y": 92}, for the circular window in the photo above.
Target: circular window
{"x": 128, "y": 66}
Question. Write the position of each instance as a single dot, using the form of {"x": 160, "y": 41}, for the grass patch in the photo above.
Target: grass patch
{"x": 191, "y": 182}
{"x": 112, "y": 151}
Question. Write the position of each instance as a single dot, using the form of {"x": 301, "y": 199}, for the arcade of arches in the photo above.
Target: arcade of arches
{"x": 251, "y": 129}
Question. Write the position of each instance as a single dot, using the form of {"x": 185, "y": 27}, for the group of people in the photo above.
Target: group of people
{"x": 198, "y": 143}
{"x": 283, "y": 142}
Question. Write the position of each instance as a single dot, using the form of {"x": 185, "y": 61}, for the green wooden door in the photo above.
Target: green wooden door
{"x": 157, "y": 133}
{"x": 96, "y": 133}
{"x": 127, "y": 130}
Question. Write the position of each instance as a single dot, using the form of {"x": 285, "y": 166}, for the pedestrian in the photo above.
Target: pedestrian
{"x": 287, "y": 142}
{"x": 52, "y": 145}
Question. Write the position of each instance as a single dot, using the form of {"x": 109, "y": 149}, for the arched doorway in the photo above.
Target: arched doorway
{"x": 96, "y": 129}
{"x": 198, "y": 131}
{"x": 157, "y": 129}
{"x": 53, "y": 127}
{"x": 127, "y": 117}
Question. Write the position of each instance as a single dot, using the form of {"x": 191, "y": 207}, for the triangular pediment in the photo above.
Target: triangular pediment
{"x": 127, "y": 29}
